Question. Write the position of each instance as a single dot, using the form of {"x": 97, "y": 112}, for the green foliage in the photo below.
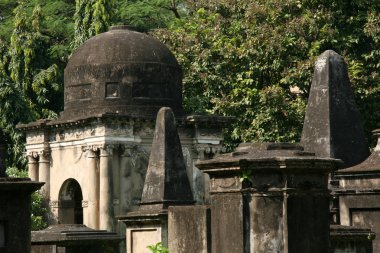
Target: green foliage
{"x": 39, "y": 212}
{"x": 14, "y": 172}
{"x": 37, "y": 209}
{"x": 28, "y": 85}
{"x": 91, "y": 17}
{"x": 13, "y": 109}
{"x": 158, "y": 248}
{"x": 6, "y": 17}
{"x": 246, "y": 176}
{"x": 146, "y": 15}
{"x": 243, "y": 58}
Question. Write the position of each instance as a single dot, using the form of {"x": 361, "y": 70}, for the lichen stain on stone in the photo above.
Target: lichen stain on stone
{"x": 321, "y": 63}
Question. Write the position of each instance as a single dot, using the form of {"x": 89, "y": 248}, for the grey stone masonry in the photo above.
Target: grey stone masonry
{"x": 332, "y": 125}
{"x": 351, "y": 239}
{"x": 269, "y": 198}
{"x": 115, "y": 83}
{"x": 166, "y": 184}
{"x": 166, "y": 181}
{"x": 122, "y": 72}
{"x": 359, "y": 194}
{"x": 189, "y": 229}
{"x": 72, "y": 238}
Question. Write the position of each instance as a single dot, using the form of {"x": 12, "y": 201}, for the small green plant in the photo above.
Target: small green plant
{"x": 158, "y": 248}
{"x": 246, "y": 176}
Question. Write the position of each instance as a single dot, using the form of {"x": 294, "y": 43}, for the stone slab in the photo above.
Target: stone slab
{"x": 189, "y": 229}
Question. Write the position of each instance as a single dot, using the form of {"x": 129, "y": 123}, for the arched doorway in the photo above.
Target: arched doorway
{"x": 70, "y": 203}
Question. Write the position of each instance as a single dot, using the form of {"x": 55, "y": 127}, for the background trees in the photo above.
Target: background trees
{"x": 91, "y": 17}
{"x": 29, "y": 76}
{"x": 244, "y": 58}
{"x": 146, "y": 15}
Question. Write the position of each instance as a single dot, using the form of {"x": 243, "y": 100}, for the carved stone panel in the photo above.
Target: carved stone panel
{"x": 35, "y": 137}
{"x": 132, "y": 175}
{"x": 78, "y": 92}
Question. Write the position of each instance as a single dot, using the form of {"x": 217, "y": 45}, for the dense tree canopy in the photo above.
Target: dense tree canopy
{"x": 29, "y": 79}
{"x": 242, "y": 58}
{"x": 146, "y": 15}
{"x": 91, "y": 17}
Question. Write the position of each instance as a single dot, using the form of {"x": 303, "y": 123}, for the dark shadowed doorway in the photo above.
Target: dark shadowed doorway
{"x": 70, "y": 203}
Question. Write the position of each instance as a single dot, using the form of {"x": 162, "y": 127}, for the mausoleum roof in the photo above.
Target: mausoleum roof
{"x": 124, "y": 72}
{"x": 264, "y": 156}
{"x": 121, "y": 44}
{"x": 370, "y": 165}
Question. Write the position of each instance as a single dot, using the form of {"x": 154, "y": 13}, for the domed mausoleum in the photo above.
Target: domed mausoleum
{"x": 93, "y": 158}
{"x": 123, "y": 72}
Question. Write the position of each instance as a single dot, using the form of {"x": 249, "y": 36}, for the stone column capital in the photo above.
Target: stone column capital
{"x": 32, "y": 156}
{"x": 203, "y": 151}
{"x": 91, "y": 150}
{"x": 44, "y": 156}
{"x": 106, "y": 150}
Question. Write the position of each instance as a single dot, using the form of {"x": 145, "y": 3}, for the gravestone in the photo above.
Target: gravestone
{"x": 166, "y": 184}
{"x": 269, "y": 198}
{"x": 332, "y": 126}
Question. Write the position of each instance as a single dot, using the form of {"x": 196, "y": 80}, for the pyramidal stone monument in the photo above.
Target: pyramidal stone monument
{"x": 166, "y": 184}
{"x": 166, "y": 181}
{"x": 332, "y": 126}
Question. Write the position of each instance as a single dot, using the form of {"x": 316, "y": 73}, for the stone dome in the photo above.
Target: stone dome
{"x": 124, "y": 72}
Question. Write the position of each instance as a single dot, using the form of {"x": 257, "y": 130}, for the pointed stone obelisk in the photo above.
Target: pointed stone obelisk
{"x": 166, "y": 184}
{"x": 332, "y": 126}
{"x": 166, "y": 181}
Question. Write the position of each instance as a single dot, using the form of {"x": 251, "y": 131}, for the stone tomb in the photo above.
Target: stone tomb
{"x": 166, "y": 184}
{"x": 94, "y": 157}
{"x": 264, "y": 198}
{"x": 359, "y": 194}
{"x": 346, "y": 239}
{"x": 332, "y": 126}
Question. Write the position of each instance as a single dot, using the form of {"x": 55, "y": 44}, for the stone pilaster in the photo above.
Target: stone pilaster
{"x": 125, "y": 172}
{"x": 91, "y": 217}
{"x": 44, "y": 171}
{"x": 33, "y": 165}
{"x": 106, "y": 189}
{"x": 200, "y": 180}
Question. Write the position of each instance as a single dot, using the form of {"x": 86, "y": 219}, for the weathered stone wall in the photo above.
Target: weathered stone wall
{"x": 189, "y": 229}
{"x": 82, "y": 151}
